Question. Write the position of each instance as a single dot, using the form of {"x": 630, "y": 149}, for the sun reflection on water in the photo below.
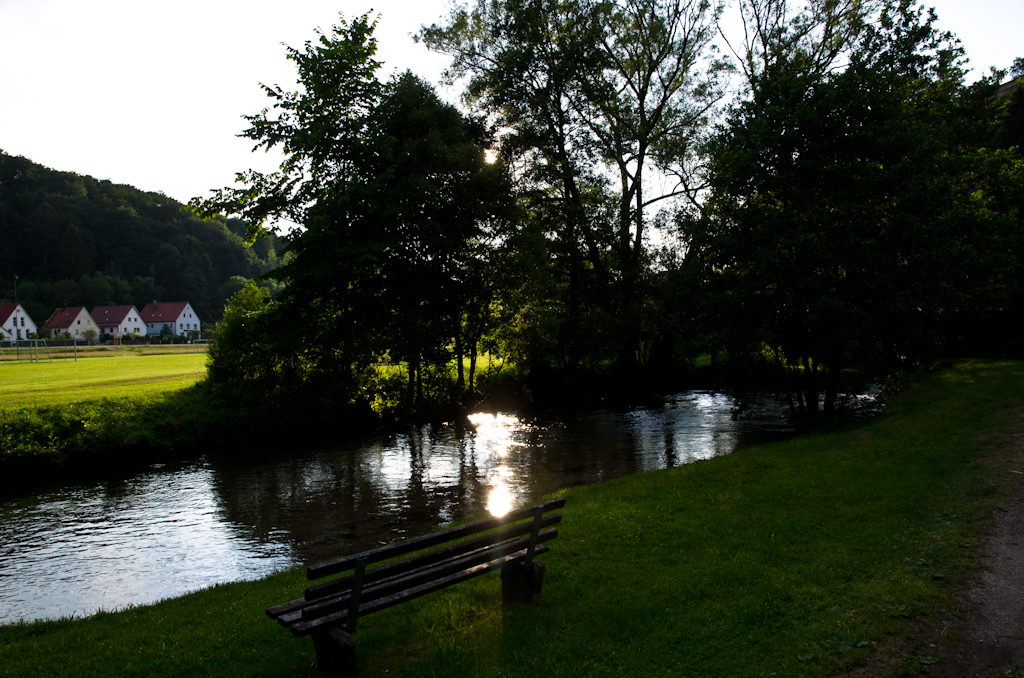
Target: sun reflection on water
{"x": 494, "y": 439}
{"x": 494, "y": 432}
{"x": 500, "y": 500}
{"x": 159, "y": 534}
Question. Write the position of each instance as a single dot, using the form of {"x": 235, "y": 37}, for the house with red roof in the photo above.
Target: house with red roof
{"x": 178, "y": 316}
{"x": 15, "y": 323}
{"x": 118, "y": 321}
{"x": 74, "y": 320}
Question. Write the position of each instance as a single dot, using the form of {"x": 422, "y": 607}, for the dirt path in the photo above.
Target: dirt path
{"x": 984, "y": 636}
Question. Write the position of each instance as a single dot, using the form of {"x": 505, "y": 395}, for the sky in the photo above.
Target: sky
{"x": 153, "y": 95}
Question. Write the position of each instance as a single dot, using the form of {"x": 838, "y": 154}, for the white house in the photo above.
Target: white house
{"x": 74, "y": 320}
{"x": 15, "y": 323}
{"x": 177, "y": 315}
{"x": 118, "y": 320}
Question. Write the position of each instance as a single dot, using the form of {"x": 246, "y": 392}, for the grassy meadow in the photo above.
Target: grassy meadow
{"x": 113, "y": 408}
{"x": 817, "y": 556}
{"x": 114, "y": 375}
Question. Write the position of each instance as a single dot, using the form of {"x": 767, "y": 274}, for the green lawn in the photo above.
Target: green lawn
{"x": 28, "y": 385}
{"x": 801, "y": 558}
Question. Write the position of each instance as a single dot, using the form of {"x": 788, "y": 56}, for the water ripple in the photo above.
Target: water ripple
{"x": 171, "y": 530}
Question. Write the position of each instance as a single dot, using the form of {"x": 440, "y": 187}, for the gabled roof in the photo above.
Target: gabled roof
{"x": 62, "y": 318}
{"x": 110, "y": 315}
{"x": 163, "y": 312}
{"x": 6, "y": 311}
{"x": 1008, "y": 88}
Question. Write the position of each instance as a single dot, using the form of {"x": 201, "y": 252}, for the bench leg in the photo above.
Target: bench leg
{"x": 521, "y": 583}
{"x": 335, "y": 653}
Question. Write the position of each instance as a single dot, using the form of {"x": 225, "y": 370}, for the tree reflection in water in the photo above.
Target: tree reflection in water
{"x": 138, "y": 540}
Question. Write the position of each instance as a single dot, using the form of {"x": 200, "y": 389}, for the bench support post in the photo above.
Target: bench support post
{"x": 335, "y": 653}
{"x": 521, "y": 582}
{"x": 357, "y": 591}
{"x": 538, "y": 516}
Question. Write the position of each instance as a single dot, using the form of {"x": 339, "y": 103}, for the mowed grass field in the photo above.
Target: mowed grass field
{"x": 30, "y": 385}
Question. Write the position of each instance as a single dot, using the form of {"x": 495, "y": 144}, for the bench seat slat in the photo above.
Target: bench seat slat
{"x": 343, "y": 584}
{"x": 284, "y": 608}
{"x": 426, "y": 541}
{"x": 303, "y": 628}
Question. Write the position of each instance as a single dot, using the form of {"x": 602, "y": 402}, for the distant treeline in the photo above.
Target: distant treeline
{"x": 74, "y": 240}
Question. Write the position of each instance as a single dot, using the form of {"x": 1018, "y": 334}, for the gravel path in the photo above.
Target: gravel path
{"x": 986, "y": 636}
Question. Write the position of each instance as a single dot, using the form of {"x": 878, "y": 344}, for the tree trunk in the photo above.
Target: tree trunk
{"x": 419, "y": 381}
{"x": 811, "y": 387}
{"x": 472, "y": 363}
{"x": 574, "y": 312}
{"x": 458, "y": 357}
{"x": 410, "y": 394}
{"x": 832, "y": 382}
{"x": 411, "y": 387}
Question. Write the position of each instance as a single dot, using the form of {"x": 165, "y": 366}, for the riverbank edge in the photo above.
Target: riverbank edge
{"x": 45, "y": 445}
{"x": 877, "y": 523}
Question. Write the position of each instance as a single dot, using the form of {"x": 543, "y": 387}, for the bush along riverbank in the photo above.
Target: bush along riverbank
{"x": 117, "y": 434}
{"x": 810, "y": 557}
{"x": 103, "y": 434}
{"x": 59, "y": 421}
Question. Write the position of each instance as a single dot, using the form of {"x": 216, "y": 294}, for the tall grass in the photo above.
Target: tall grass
{"x": 797, "y": 558}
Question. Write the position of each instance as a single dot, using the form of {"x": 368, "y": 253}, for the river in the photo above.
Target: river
{"x": 171, "y": 529}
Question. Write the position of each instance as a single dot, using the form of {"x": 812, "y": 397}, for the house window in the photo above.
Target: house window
{"x": 23, "y": 322}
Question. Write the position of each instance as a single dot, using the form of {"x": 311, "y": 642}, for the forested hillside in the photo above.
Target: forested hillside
{"x": 75, "y": 240}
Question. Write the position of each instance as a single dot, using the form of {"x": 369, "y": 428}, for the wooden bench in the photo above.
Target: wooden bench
{"x": 329, "y": 611}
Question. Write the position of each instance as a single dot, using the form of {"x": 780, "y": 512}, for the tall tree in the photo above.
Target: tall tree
{"x": 837, "y": 218}
{"x": 394, "y": 197}
{"x": 606, "y": 102}
{"x": 813, "y": 36}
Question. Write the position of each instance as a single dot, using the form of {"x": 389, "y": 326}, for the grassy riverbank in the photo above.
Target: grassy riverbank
{"x": 810, "y": 557}
{"x": 112, "y": 409}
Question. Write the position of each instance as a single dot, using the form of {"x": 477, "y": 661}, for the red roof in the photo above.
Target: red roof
{"x": 105, "y": 316}
{"x": 6, "y": 310}
{"x": 62, "y": 318}
{"x": 162, "y": 312}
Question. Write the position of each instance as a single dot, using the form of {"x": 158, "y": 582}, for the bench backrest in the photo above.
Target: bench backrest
{"x": 428, "y": 541}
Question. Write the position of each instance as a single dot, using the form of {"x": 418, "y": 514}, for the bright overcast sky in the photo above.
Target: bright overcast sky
{"x": 152, "y": 94}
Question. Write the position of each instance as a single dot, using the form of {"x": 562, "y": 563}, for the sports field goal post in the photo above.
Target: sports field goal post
{"x": 30, "y": 348}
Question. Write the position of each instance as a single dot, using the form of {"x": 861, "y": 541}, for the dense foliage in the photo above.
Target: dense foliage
{"x": 856, "y": 205}
{"x": 854, "y": 213}
{"x": 399, "y": 207}
{"x": 606, "y": 105}
{"x": 76, "y": 241}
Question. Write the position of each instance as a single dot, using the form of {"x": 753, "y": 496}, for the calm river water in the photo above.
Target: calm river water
{"x": 174, "y": 529}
